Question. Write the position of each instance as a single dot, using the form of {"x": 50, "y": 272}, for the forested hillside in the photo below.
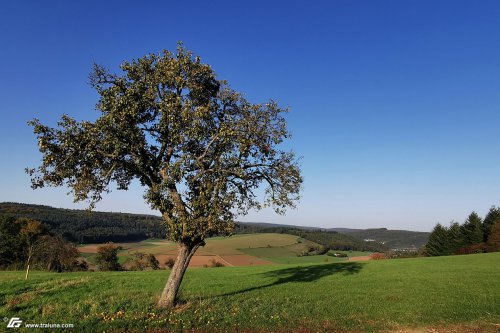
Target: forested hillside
{"x": 393, "y": 239}
{"x": 82, "y": 226}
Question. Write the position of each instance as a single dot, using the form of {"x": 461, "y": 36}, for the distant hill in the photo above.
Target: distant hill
{"x": 82, "y": 226}
{"x": 85, "y": 227}
{"x": 390, "y": 239}
{"x": 393, "y": 239}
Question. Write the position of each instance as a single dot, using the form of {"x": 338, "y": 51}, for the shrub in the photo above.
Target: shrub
{"x": 471, "y": 249}
{"x": 320, "y": 250}
{"x": 213, "y": 263}
{"x": 107, "y": 257}
{"x": 153, "y": 262}
{"x": 170, "y": 263}
{"x": 399, "y": 254}
{"x": 377, "y": 256}
{"x": 144, "y": 261}
{"x": 336, "y": 254}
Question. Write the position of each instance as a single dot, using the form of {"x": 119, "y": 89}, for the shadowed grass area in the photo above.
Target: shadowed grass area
{"x": 462, "y": 291}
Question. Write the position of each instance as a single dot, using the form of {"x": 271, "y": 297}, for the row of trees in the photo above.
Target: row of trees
{"x": 473, "y": 236}
{"x": 26, "y": 243}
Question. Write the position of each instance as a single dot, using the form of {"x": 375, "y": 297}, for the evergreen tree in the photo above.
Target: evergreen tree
{"x": 471, "y": 230}
{"x": 438, "y": 241}
{"x": 454, "y": 239}
{"x": 491, "y": 218}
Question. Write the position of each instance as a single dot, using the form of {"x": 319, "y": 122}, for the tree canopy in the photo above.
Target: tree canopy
{"x": 199, "y": 148}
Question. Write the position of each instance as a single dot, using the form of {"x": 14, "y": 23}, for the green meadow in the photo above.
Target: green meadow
{"x": 457, "y": 292}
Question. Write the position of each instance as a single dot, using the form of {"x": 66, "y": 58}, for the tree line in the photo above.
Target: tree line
{"x": 84, "y": 227}
{"x": 331, "y": 240}
{"x": 475, "y": 235}
{"x": 26, "y": 243}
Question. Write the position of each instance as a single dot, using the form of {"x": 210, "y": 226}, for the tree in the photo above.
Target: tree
{"x": 200, "y": 149}
{"x": 491, "y": 218}
{"x": 493, "y": 243}
{"x": 455, "y": 238}
{"x": 11, "y": 251}
{"x": 56, "y": 254}
{"x": 31, "y": 232}
{"x": 471, "y": 230}
{"x": 106, "y": 258}
{"x": 438, "y": 242}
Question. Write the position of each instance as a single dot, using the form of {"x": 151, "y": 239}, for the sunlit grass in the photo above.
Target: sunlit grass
{"x": 349, "y": 296}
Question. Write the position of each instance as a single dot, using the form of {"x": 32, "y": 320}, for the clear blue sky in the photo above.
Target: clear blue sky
{"x": 395, "y": 104}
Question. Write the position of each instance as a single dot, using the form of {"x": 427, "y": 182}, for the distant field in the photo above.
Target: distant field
{"x": 440, "y": 294}
{"x": 238, "y": 250}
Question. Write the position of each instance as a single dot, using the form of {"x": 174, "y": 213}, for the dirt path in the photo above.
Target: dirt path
{"x": 361, "y": 258}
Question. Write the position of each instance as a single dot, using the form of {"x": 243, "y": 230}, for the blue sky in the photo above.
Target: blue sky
{"x": 395, "y": 105}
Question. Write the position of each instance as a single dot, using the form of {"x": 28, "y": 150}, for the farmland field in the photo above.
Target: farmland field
{"x": 238, "y": 250}
{"x": 440, "y": 294}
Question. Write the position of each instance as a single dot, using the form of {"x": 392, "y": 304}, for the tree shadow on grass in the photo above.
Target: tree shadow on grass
{"x": 302, "y": 274}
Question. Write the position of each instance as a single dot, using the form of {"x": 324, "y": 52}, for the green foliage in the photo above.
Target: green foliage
{"x": 446, "y": 241}
{"x": 491, "y": 218}
{"x": 336, "y": 254}
{"x": 56, "y": 254}
{"x": 106, "y": 258}
{"x": 431, "y": 294}
{"x": 438, "y": 241}
{"x": 12, "y": 247}
{"x": 455, "y": 237}
{"x": 471, "y": 230}
{"x": 24, "y": 238}
{"x": 463, "y": 239}
{"x": 82, "y": 226}
{"x": 200, "y": 149}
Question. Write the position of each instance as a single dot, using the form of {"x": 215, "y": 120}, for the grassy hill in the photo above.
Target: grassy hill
{"x": 442, "y": 294}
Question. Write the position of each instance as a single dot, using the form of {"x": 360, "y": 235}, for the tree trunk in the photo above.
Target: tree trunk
{"x": 28, "y": 262}
{"x": 169, "y": 294}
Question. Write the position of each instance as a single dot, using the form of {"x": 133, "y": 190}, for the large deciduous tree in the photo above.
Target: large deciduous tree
{"x": 200, "y": 149}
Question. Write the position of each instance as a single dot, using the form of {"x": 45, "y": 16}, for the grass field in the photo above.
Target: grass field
{"x": 452, "y": 294}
